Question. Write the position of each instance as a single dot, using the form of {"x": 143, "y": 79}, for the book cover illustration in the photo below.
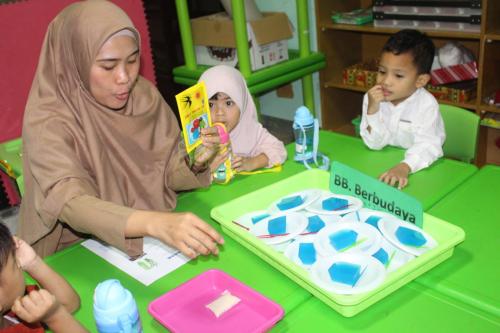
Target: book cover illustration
{"x": 194, "y": 112}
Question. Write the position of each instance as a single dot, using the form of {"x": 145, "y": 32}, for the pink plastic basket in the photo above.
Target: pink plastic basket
{"x": 183, "y": 309}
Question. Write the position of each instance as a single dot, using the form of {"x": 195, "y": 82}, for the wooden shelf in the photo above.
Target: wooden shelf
{"x": 345, "y": 45}
{"x": 369, "y": 28}
{"x": 332, "y": 84}
{"x": 489, "y": 108}
{"x": 492, "y": 36}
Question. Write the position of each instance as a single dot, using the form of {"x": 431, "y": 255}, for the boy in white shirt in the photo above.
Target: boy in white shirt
{"x": 398, "y": 111}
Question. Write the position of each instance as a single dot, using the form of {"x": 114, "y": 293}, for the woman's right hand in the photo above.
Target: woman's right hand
{"x": 184, "y": 231}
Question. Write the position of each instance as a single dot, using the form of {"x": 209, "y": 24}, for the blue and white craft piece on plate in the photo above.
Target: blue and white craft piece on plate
{"x": 303, "y": 251}
{"x": 392, "y": 257}
{"x": 343, "y": 237}
{"x": 348, "y": 273}
{"x": 279, "y": 228}
{"x": 335, "y": 204}
{"x": 366, "y": 215}
{"x": 249, "y": 219}
{"x": 295, "y": 201}
{"x": 316, "y": 222}
{"x": 406, "y": 236}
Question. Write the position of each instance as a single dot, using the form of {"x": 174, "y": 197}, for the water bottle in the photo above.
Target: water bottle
{"x": 303, "y": 130}
{"x": 115, "y": 310}
{"x": 224, "y": 172}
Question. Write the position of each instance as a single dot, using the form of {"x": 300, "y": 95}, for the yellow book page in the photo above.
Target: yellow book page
{"x": 194, "y": 112}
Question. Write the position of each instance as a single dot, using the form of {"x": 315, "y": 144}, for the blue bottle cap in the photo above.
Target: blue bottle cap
{"x": 303, "y": 116}
{"x": 115, "y": 309}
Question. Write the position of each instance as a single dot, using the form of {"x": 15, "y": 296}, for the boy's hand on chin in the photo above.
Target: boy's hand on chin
{"x": 375, "y": 96}
{"x": 396, "y": 175}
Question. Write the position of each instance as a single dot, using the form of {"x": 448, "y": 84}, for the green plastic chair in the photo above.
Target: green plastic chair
{"x": 462, "y": 128}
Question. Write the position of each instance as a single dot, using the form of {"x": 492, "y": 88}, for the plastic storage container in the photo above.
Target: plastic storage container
{"x": 447, "y": 235}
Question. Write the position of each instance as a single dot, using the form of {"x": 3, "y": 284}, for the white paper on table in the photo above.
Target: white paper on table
{"x": 158, "y": 259}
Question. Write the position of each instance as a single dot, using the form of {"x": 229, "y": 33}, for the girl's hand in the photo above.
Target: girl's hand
{"x": 25, "y": 255}
{"x": 38, "y": 305}
{"x": 397, "y": 174}
{"x": 375, "y": 96}
{"x": 240, "y": 163}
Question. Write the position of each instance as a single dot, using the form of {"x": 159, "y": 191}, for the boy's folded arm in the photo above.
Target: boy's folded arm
{"x": 54, "y": 283}
{"x": 373, "y": 131}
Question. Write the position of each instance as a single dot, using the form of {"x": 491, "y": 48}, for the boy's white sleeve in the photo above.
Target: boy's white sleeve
{"x": 428, "y": 139}
{"x": 378, "y": 136}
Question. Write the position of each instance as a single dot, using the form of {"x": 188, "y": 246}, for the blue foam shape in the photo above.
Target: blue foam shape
{"x": 258, "y": 218}
{"x": 277, "y": 225}
{"x": 381, "y": 256}
{"x": 315, "y": 223}
{"x": 410, "y": 237}
{"x": 345, "y": 272}
{"x": 334, "y": 204}
{"x": 373, "y": 220}
{"x": 343, "y": 238}
{"x": 290, "y": 202}
{"x": 307, "y": 253}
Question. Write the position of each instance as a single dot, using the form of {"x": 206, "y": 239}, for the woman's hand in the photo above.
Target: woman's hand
{"x": 184, "y": 231}
{"x": 396, "y": 175}
{"x": 205, "y": 152}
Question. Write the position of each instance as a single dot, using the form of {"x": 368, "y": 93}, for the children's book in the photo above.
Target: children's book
{"x": 194, "y": 112}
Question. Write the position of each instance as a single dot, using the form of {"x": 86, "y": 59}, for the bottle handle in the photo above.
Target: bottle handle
{"x": 125, "y": 323}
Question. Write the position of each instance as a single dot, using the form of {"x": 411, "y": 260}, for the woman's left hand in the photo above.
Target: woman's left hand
{"x": 210, "y": 146}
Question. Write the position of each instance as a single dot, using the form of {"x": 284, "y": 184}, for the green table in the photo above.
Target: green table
{"x": 411, "y": 309}
{"x": 472, "y": 275}
{"x": 234, "y": 258}
{"x": 428, "y": 185}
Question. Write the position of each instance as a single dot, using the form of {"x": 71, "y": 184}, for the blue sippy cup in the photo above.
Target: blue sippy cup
{"x": 115, "y": 310}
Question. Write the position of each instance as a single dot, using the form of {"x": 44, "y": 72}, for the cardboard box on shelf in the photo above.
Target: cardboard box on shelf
{"x": 215, "y": 42}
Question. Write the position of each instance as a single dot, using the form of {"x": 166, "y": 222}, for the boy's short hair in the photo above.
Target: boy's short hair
{"x": 418, "y": 44}
{"x": 7, "y": 245}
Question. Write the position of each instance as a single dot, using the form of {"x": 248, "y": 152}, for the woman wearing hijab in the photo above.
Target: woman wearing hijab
{"x": 102, "y": 150}
{"x": 252, "y": 145}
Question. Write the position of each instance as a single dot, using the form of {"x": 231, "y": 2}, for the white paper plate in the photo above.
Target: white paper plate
{"x": 292, "y": 251}
{"x": 246, "y": 219}
{"x": 363, "y": 214}
{"x": 388, "y": 227}
{"x": 295, "y": 224}
{"x": 396, "y": 257}
{"x": 308, "y": 196}
{"x": 370, "y": 238}
{"x": 352, "y": 202}
{"x": 373, "y": 273}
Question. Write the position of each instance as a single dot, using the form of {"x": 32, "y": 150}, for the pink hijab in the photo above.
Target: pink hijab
{"x": 248, "y": 138}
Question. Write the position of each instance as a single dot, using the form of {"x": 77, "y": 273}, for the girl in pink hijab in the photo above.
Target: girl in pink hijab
{"x": 253, "y": 147}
